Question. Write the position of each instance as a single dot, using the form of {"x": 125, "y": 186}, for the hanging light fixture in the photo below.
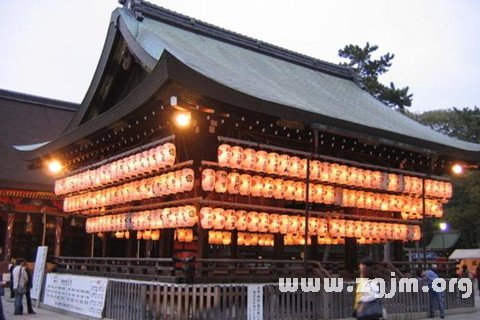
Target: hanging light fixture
{"x": 54, "y": 166}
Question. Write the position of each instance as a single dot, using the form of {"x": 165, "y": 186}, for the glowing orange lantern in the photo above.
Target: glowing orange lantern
{"x": 224, "y": 155}
{"x": 241, "y": 221}
{"x": 206, "y": 217}
{"x": 283, "y": 164}
{"x": 256, "y": 186}
{"x": 278, "y": 188}
{"x": 272, "y": 162}
{"x": 267, "y": 190}
{"x": 236, "y": 157}
{"x": 208, "y": 179}
{"x": 261, "y": 160}
{"x": 249, "y": 159}
{"x": 295, "y": 166}
{"x": 245, "y": 184}
{"x": 221, "y": 182}
{"x": 252, "y": 220}
{"x": 233, "y": 183}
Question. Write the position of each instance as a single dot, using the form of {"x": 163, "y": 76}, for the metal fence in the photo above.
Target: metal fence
{"x": 129, "y": 300}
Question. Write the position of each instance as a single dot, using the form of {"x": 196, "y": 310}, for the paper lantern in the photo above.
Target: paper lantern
{"x": 230, "y": 219}
{"x": 146, "y": 235}
{"x": 278, "y": 188}
{"x": 300, "y": 191}
{"x": 283, "y": 164}
{"x": 187, "y": 179}
{"x": 267, "y": 190}
{"x": 233, "y": 183}
{"x": 241, "y": 220}
{"x": 206, "y": 218}
{"x": 208, "y": 179}
{"x": 284, "y": 224}
{"x": 252, "y": 221}
{"x": 261, "y": 160}
{"x": 245, "y": 184}
{"x": 315, "y": 166}
{"x": 152, "y": 162}
{"x": 240, "y": 239}
{"x": 256, "y": 186}
{"x": 190, "y": 216}
{"x": 249, "y": 159}
{"x": 226, "y": 238}
{"x": 169, "y": 154}
{"x": 290, "y": 188}
{"x": 328, "y": 195}
{"x": 221, "y": 182}
{"x": 155, "y": 235}
{"x": 295, "y": 166}
{"x": 180, "y": 235}
{"x": 218, "y": 218}
{"x": 273, "y": 223}
{"x": 189, "y": 235}
{"x": 145, "y": 167}
{"x": 236, "y": 157}
{"x": 158, "y": 157}
{"x": 293, "y": 224}
{"x": 224, "y": 155}
{"x": 272, "y": 162}
{"x": 263, "y": 222}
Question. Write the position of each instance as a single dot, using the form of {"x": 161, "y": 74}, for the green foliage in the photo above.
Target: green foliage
{"x": 463, "y": 210}
{"x": 461, "y": 123}
{"x": 369, "y": 69}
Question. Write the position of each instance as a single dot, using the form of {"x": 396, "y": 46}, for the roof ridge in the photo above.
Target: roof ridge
{"x": 44, "y": 101}
{"x": 142, "y": 8}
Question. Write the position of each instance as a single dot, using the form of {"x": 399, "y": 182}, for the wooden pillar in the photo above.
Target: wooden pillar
{"x": 148, "y": 248}
{"x": 7, "y": 246}
{"x": 350, "y": 255}
{"x": 105, "y": 241}
{"x": 166, "y": 243}
{"x": 397, "y": 251}
{"x": 58, "y": 236}
{"x": 202, "y": 244}
{"x": 278, "y": 246}
{"x": 131, "y": 245}
{"x": 233, "y": 245}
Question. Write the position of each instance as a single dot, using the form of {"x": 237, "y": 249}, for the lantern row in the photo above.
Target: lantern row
{"x": 221, "y": 219}
{"x": 284, "y": 165}
{"x": 174, "y": 217}
{"x": 243, "y": 239}
{"x": 159, "y": 186}
{"x": 125, "y": 168}
{"x": 182, "y": 235}
{"x": 257, "y": 186}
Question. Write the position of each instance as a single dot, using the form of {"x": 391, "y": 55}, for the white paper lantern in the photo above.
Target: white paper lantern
{"x": 208, "y": 179}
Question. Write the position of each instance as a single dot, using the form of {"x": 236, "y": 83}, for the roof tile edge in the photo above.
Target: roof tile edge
{"x": 140, "y": 9}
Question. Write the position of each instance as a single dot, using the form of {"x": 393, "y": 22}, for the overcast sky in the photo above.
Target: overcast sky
{"x": 51, "y": 48}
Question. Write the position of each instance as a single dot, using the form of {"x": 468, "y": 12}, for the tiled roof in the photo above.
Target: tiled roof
{"x": 25, "y": 120}
{"x": 269, "y": 78}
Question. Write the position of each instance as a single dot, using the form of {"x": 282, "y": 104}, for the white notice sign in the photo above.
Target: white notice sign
{"x": 84, "y": 295}
{"x": 255, "y": 302}
{"x": 39, "y": 272}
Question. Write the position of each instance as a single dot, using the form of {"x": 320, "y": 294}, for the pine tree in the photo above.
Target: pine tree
{"x": 368, "y": 71}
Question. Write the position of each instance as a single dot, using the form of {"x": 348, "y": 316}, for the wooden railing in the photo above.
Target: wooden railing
{"x": 125, "y": 268}
{"x": 196, "y": 271}
{"x": 229, "y": 301}
{"x": 254, "y": 270}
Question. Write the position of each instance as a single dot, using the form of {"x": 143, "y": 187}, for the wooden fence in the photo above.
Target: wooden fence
{"x": 129, "y": 300}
